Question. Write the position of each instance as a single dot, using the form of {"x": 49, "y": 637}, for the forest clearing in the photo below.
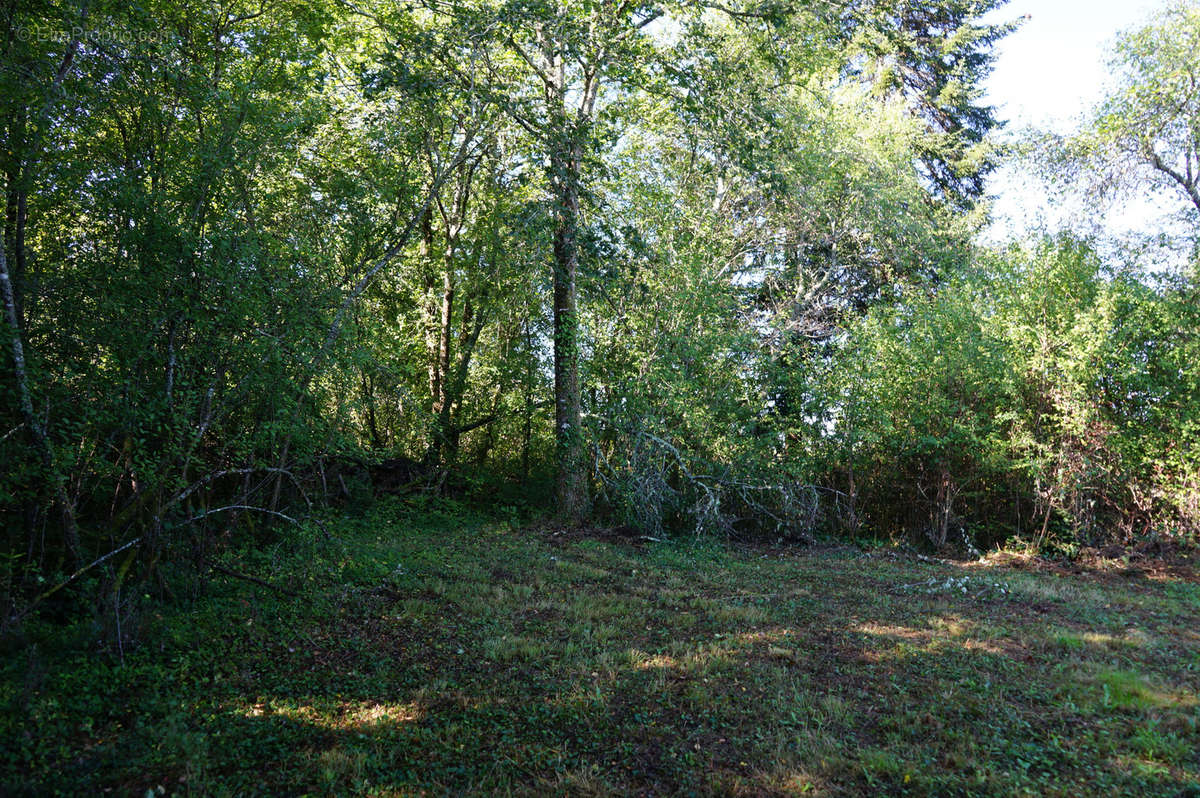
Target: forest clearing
{"x": 437, "y": 652}
{"x": 600, "y": 397}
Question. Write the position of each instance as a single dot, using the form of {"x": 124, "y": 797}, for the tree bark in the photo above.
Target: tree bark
{"x": 571, "y": 483}
{"x": 368, "y": 390}
{"x": 425, "y": 257}
{"x": 445, "y": 330}
{"x": 527, "y": 431}
{"x": 36, "y": 430}
{"x": 473, "y": 323}
{"x": 365, "y": 280}
{"x": 1189, "y": 182}
{"x": 17, "y": 273}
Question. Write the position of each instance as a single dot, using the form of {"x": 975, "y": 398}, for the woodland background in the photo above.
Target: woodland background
{"x": 678, "y": 267}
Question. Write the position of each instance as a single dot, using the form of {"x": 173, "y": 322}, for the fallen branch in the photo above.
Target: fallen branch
{"x": 252, "y": 579}
{"x": 179, "y": 497}
{"x": 33, "y": 604}
{"x": 319, "y": 524}
{"x": 250, "y": 507}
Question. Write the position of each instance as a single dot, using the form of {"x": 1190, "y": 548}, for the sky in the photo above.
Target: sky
{"x": 1047, "y": 75}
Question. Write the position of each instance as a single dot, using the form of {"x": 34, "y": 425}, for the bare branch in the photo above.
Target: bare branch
{"x": 80, "y": 572}
{"x": 252, "y": 579}
{"x": 250, "y": 507}
{"x": 1188, "y": 183}
{"x": 188, "y": 491}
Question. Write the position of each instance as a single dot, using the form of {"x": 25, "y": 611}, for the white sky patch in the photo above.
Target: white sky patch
{"x": 1048, "y": 74}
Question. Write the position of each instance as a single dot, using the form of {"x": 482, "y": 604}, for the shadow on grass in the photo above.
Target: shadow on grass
{"x": 592, "y": 669}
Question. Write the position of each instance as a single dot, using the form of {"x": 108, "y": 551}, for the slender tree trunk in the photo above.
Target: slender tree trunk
{"x": 361, "y": 285}
{"x": 15, "y": 304}
{"x": 445, "y": 330}
{"x": 368, "y": 390}
{"x": 425, "y": 257}
{"x": 17, "y": 273}
{"x": 36, "y": 431}
{"x": 439, "y": 368}
{"x": 472, "y": 325}
{"x": 528, "y": 428}
{"x": 489, "y": 432}
{"x": 571, "y": 484}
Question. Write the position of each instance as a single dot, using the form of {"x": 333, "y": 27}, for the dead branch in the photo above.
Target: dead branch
{"x": 33, "y": 604}
{"x": 252, "y": 579}
{"x": 250, "y": 507}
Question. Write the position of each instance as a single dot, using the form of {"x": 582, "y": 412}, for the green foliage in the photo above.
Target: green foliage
{"x": 1145, "y": 133}
{"x": 1032, "y": 396}
{"x": 708, "y": 264}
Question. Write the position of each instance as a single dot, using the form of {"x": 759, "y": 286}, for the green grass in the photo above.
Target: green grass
{"x": 435, "y": 654}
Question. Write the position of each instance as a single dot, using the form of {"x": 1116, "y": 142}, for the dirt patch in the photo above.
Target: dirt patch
{"x": 558, "y": 535}
{"x": 1153, "y": 562}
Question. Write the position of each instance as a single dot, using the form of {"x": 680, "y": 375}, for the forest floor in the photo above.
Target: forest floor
{"x": 434, "y": 652}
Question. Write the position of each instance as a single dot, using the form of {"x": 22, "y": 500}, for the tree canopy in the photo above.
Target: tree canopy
{"x": 678, "y": 266}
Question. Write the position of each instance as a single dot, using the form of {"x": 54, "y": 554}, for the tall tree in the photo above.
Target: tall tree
{"x": 551, "y": 61}
{"x": 1146, "y": 132}
{"x": 936, "y": 55}
{"x": 564, "y": 72}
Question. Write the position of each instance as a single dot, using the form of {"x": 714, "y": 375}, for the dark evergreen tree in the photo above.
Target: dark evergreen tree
{"x": 936, "y": 55}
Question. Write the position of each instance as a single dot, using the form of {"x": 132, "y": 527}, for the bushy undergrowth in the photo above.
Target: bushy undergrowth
{"x": 1037, "y": 397}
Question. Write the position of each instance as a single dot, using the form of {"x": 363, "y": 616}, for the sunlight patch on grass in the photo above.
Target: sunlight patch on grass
{"x": 713, "y": 656}
{"x": 1129, "y": 690}
{"x": 952, "y": 626}
{"x": 350, "y": 716}
{"x": 897, "y": 633}
{"x": 371, "y": 714}
{"x": 760, "y": 637}
{"x": 644, "y": 662}
{"x": 1134, "y": 638}
{"x": 978, "y": 646}
{"x": 891, "y": 642}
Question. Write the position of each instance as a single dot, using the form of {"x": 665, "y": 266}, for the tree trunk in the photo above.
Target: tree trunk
{"x": 445, "y": 331}
{"x": 443, "y": 446}
{"x": 36, "y": 431}
{"x": 425, "y": 256}
{"x": 571, "y": 483}
{"x": 18, "y": 273}
{"x": 368, "y": 390}
{"x": 527, "y": 431}
{"x": 441, "y": 390}
{"x": 489, "y": 432}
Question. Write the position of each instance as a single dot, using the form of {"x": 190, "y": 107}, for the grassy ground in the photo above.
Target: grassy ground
{"x": 436, "y": 654}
